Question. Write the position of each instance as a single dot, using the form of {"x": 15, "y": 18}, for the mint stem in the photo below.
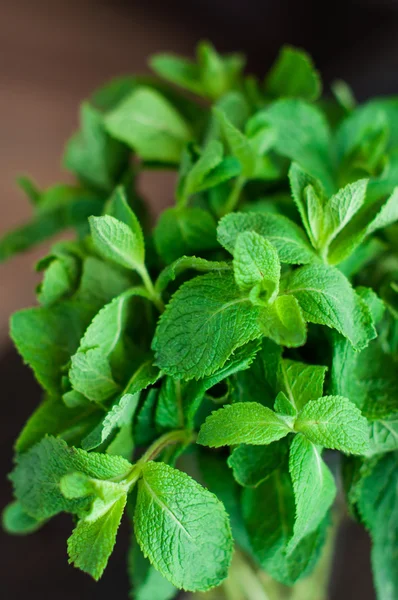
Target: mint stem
{"x": 153, "y": 294}
{"x": 234, "y": 196}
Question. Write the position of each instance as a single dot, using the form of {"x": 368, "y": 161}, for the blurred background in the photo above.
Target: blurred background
{"x": 52, "y": 55}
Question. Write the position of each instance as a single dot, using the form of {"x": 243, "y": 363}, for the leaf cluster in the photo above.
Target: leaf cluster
{"x": 215, "y": 377}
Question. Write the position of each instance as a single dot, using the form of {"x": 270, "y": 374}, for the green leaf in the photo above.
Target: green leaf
{"x": 238, "y": 143}
{"x": 94, "y": 537}
{"x": 340, "y": 209}
{"x": 60, "y": 207}
{"x": 303, "y": 136}
{"x": 208, "y": 171}
{"x": 92, "y": 154}
{"x": 256, "y": 265}
{"x": 121, "y": 414}
{"x": 38, "y": 472}
{"x": 169, "y": 413}
{"x": 29, "y": 187}
{"x": 53, "y": 417}
{"x": 270, "y": 530}
{"x": 194, "y": 392}
{"x": 100, "y": 282}
{"x": 326, "y": 297}
{"x": 178, "y": 70}
{"x": 252, "y": 465}
{"x": 378, "y": 507}
{"x": 59, "y": 280}
{"x": 300, "y": 382}
{"x": 284, "y": 323}
{"x": 146, "y": 582}
{"x": 219, "y": 73}
{"x": 118, "y": 207}
{"x": 144, "y": 430}
{"x": 90, "y": 373}
{"x": 188, "y": 343}
{"x": 293, "y": 76}
{"x": 171, "y": 272}
{"x": 334, "y": 422}
{"x": 313, "y": 485}
{"x": 149, "y": 124}
{"x": 289, "y": 240}
{"x": 212, "y": 76}
{"x": 219, "y": 480}
{"x": 242, "y": 423}
{"x": 372, "y": 217}
{"x": 42, "y": 332}
{"x": 115, "y": 241}
{"x": 184, "y": 230}
{"x": 172, "y": 505}
{"x": 17, "y": 522}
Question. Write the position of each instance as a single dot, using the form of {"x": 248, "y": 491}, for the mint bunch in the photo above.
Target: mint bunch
{"x": 200, "y": 376}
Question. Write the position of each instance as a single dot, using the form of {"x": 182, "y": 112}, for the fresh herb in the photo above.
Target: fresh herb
{"x": 257, "y": 317}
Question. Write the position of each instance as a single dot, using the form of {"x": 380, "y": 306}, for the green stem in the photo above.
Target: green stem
{"x": 172, "y": 437}
{"x": 234, "y": 196}
{"x": 153, "y": 294}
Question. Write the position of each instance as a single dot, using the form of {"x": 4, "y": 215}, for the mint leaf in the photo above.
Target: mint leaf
{"x": 92, "y": 154}
{"x": 29, "y": 187}
{"x": 169, "y": 410}
{"x": 60, "y": 278}
{"x": 286, "y": 236}
{"x": 270, "y": 530}
{"x": 171, "y": 504}
{"x": 42, "y": 332}
{"x": 373, "y": 216}
{"x": 149, "y": 124}
{"x": 194, "y": 392}
{"x": 303, "y": 136}
{"x": 256, "y": 265}
{"x": 293, "y": 76}
{"x": 211, "y": 76}
{"x": 91, "y": 373}
{"x": 378, "y": 507}
{"x": 326, "y": 297}
{"x": 147, "y": 583}
{"x": 283, "y": 322}
{"x": 313, "y": 485}
{"x": 100, "y": 282}
{"x": 340, "y": 209}
{"x": 309, "y": 196}
{"x": 94, "y": 537}
{"x": 178, "y": 70}
{"x": 115, "y": 241}
{"x": 218, "y": 73}
{"x": 188, "y": 343}
{"x": 300, "y": 382}
{"x": 17, "y": 522}
{"x": 219, "y": 480}
{"x": 208, "y": 171}
{"x": 242, "y": 423}
{"x": 334, "y": 422}
{"x": 252, "y": 465}
{"x": 54, "y": 417}
{"x": 171, "y": 272}
{"x": 238, "y": 143}
{"x": 120, "y": 415}
{"x": 60, "y": 207}
{"x": 38, "y": 472}
{"x": 118, "y": 207}
{"x": 184, "y": 231}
